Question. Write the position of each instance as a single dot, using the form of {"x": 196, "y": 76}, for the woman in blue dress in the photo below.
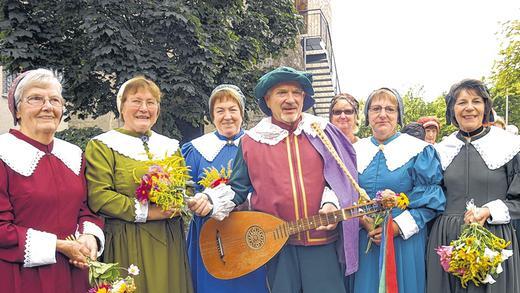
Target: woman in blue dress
{"x": 217, "y": 149}
{"x": 401, "y": 163}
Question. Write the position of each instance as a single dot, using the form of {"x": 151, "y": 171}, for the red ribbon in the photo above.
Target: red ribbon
{"x": 391, "y": 269}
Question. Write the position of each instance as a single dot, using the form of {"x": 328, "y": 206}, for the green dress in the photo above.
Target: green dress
{"x": 156, "y": 247}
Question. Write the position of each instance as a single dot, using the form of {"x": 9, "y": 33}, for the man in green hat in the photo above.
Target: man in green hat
{"x": 292, "y": 175}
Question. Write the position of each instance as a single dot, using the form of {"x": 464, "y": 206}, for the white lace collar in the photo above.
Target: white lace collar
{"x": 268, "y": 133}
{"x": 397, "y": 152}
{"x": 496, "y": 148}
{"x": 132, "y": 147}
{"x": 23, "y": 157}
{"x": 209, "y": 145}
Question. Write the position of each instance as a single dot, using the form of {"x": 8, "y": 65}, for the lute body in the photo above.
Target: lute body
{"x": 245, "y": 241}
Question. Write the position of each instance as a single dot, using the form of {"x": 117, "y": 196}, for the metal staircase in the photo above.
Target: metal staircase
{"x": 319, "y": 60}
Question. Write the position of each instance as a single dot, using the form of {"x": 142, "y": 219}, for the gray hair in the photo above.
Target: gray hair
{"x": 37, "y": 76}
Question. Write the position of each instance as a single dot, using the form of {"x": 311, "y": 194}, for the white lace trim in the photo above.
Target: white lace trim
{"x": 141, "y": 211}
{"x": 93, "y": 229}
{"x": 132, "y": 147}
{"x": 448, "y": 149}
{"x": 499, "y": 212}
{"x": 397, "y": 152}
{"x": 40, "y": 248}
{"x": 268, "y": 133}
{"x": 221, "y": 197}
{"x": 209, "y": 145}
{"x": 23, "y": 157}
{"x": 496, "y": 148}
{"x": 407, "y": 224}
{"x": 71, "y": 155}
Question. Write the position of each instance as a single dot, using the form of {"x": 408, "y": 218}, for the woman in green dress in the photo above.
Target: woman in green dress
{"x": 137, "y": 233}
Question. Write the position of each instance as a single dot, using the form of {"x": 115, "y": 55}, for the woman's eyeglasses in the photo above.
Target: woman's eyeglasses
{"x": 378, "y": 109}
{"x": 347, "y": 112}
{"x": 40, "y": 101}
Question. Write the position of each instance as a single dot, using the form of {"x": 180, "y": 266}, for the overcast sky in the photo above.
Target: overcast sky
{"x": 406, "y": 43}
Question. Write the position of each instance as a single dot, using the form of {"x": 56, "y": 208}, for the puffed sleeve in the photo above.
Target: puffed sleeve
{"x": 427, "y": 198}
{"x": 12, "y": 237}
{"x": 192, "y": 158}
{"x": 102, "y": 195}
{"x": 21, "y": 244}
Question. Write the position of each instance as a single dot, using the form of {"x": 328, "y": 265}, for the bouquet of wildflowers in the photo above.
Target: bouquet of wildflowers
{"x": 213, "y": 177}
{"x": 164, "y": 184}
{"x": 106, "y": 278}
{"x": 476, "y": 256}
{"x": 387, "y": 199}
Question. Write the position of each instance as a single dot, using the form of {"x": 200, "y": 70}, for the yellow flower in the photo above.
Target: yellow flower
{"x": 402, "y": 201}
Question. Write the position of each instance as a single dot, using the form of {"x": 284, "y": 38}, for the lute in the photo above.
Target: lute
{"x": 247, "y": 240}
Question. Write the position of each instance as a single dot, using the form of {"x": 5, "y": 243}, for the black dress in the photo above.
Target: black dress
{"x": 484, "y": 169}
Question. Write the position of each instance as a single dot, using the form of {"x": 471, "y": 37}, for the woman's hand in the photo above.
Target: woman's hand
{"x": 478, "y": 215}
{"x": 367, "y": 223}
{"x": 76, "y": 252}
{"x": 376, "y": 235}
{"x": 157, "y": 213}
{"x": 90, "y": 243}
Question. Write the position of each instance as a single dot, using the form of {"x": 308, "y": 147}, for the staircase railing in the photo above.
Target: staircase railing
{"x": 316, "y": 25}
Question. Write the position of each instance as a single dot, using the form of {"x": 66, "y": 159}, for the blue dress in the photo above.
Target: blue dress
{"x": 413, "y": 167}
{"x": 214, "y": 150}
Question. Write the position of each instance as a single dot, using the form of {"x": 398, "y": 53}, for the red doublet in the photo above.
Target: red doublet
{"x": 288, "y": 182}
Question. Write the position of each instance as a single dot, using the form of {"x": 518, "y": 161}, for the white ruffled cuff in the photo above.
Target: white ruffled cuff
{"x": 141, "y": 211}
{"x": 329, "y": 196}
{"x": 499, "y": 212}
{"x": 407, "y": 224}
{"x": 40, "y": 248}
{"x": 94, "y": 230}
{"x": 221, "y": 197}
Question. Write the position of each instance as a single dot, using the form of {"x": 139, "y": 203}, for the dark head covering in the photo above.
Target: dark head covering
{"x": 478, "y": 88}
{"x": 414, "y": 129}
{"x": 347, "y": 97}
{"x": 279, "y": 75}
{"x": 11, "y": 100}
{"x": 400, "y": 104}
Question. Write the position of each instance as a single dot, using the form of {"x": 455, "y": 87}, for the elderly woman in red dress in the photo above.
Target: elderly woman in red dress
{"x": 43, "y": 196}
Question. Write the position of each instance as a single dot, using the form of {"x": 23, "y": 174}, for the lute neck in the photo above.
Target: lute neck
{"x": 316, "y": 221}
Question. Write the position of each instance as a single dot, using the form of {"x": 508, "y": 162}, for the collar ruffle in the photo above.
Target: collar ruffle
{"x": 397, "y": 152}
{"x": 267, "y": 132}
{"x": 159, "y": 145}
{"x": 23, "y": 158}
{"x": 209, "y": 145}
{"x": 496, "y": 148}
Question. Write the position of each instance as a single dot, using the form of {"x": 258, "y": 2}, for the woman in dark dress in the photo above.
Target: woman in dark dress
{"x": 480, "y": 163}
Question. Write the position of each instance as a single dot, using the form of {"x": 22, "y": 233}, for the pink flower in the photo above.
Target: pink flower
{"x": 445, "y": 254}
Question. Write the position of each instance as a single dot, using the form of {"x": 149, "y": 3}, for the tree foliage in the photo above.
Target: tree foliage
{"x": 506, "y": 73}
{"x": 186, "y": 47}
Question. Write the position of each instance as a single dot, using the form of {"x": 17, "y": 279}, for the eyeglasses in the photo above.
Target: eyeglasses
{"x": 347, "y": 112}
{"x": 378, "y": 109}
{"x": 40, "y": 101}
{"x": 138, "y": 103}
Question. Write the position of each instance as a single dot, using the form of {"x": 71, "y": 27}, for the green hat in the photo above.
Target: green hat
{"x": 279, "y": 75}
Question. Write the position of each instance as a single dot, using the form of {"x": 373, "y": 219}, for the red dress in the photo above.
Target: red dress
{"x": 49, "y": 197}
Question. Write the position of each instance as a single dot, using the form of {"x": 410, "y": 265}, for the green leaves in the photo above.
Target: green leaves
{"x": 186, "y": 47}
{"x": 102, "y": 272}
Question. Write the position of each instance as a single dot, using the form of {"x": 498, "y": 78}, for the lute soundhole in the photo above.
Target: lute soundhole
{"x": 255, "y": 237}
